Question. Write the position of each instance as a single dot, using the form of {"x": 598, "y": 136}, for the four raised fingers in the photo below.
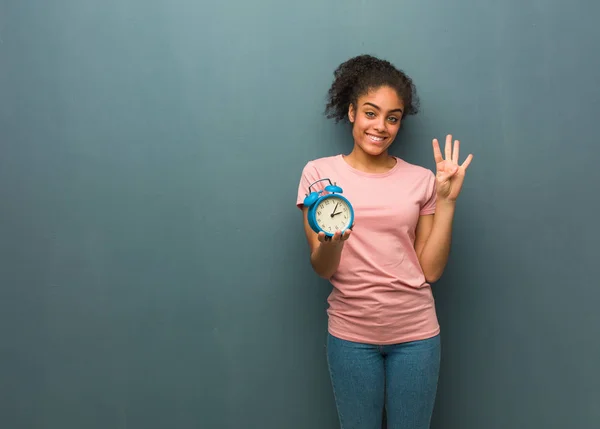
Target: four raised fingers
{"x": 451, "y": 152}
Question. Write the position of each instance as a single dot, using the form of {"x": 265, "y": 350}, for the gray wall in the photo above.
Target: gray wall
{"x": 154, "y": 271}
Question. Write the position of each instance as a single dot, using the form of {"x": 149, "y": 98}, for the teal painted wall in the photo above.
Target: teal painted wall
{"x": 154, "y": 272}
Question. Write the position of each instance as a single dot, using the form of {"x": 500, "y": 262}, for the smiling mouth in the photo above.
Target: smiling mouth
{"x": 375, "y": 139}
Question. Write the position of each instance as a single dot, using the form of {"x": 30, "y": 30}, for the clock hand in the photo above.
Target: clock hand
{"x": 334, "y": 209}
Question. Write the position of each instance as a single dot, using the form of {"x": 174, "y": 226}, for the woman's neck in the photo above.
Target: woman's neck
{"x": 362, "y": 161}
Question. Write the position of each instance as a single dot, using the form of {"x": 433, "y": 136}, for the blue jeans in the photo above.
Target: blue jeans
{"x": 401, "y": 377}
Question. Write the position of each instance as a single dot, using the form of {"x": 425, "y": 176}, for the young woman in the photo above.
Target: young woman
{"x": 383, "y": 347}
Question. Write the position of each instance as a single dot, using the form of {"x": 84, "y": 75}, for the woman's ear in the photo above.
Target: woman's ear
{"x": 351, "y": 113}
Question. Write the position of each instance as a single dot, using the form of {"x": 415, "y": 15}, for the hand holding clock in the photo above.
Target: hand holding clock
{"x": 333, "y": 227}
{"x": 337, "y": 238}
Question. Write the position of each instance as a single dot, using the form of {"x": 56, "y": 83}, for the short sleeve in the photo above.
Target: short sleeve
{"x": 430, "y": 196}
{"x": 309, "y": 175}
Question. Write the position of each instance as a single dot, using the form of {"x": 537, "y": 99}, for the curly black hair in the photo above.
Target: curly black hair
{"x": 358, "y": 75}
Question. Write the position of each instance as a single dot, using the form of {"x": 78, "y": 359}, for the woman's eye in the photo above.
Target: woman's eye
{"x": 370, "y": 114}
{"x": 392, "y": 119}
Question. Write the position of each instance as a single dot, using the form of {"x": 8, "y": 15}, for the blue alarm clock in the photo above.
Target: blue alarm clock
{"x": 328, "y": 211}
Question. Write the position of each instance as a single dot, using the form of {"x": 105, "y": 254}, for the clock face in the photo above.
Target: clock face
{"x": 333, "y": 214}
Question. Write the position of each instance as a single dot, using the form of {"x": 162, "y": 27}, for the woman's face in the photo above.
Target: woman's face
{"x": 376, "y": 120}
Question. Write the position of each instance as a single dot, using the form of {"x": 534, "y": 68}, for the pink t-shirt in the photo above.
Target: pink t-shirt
{"x": 380, "y": 295}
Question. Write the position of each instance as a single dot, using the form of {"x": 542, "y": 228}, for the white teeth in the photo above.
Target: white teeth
{"x": 376, "y": 139}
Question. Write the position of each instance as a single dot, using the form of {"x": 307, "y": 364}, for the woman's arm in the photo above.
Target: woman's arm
{"x": 433, "y": 240}
{"x": 325, "y": 254}
{"x": 433, "y": 234}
